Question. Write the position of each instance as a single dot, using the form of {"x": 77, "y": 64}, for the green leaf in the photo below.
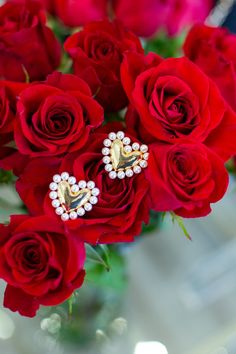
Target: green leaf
{"x": 230, "y": 166}
{"x": 61, "y": 31}
{"x": 179, "y": 220}
{"x": 115, "y": 278}
{"x": 166, "y": 46}
{"x": 115, "y": 117}
{"x": 66, "y": 64}
{"x": 163, "y": 215}
{"x": 6, "y": 176}
{"x": 98, "y": 255}
{"x": 155, "y": 218}
{"x": 106, "y": 256}
{"x": 70, "y": 305}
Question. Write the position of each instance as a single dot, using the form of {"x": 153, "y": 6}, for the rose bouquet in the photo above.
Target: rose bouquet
{"x": 98, "y": 133}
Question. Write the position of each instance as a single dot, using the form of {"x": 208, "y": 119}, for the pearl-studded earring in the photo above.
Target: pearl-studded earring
{"x": 123, "y": 158}
{"x": 71, "y": 199}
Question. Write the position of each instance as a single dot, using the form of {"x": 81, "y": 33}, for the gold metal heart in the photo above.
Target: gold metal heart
{"x": 71, "y": 201}
{"x": 122, "y": 160}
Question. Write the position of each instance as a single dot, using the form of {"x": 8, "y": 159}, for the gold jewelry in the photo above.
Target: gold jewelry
{"x": 122, "y": 159}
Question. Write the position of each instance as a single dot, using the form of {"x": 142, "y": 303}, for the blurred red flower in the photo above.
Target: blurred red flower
{"x": 214, "y": 51}
{"x": 143, "y": 17}
{"x": 27, "y": 45}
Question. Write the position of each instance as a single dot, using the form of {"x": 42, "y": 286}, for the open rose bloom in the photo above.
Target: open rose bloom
{"x": 98, "y": 133}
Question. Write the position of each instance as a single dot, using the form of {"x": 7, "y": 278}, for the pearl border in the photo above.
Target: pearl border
{"x": 75, "y": 187}
{"x": 122, "y": 173}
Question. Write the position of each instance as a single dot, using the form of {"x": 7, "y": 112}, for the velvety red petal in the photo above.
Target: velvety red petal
{"x": 17, "y": 300}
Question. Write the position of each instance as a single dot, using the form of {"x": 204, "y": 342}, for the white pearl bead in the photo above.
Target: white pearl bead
{"x": 137, "y": 169}
{"x": 57, "y": 178}
{"x": 128, "y": 148}
{"x": 112, "y": 136}
{"x": 120, "y": 135}
{"x": 75, "y": 188}
{"x": 93, "y": 200}
{"x": 56, "y": 203}
{"x": 82, "y": 184}
{"x": 146, "y": 156}
{"x": 121, "y": 174}
{"x": 53, "y": 186}
{"x": 112, "y": 174}
{"x": 53, "y": 195}
{"x": 65, "y": 176}
{"x": 90, "y": 184}
{"x": 143, "y": 148}
{"x": 65, "y": 217}
{"x": 59, "y": 211}
{"x": 107, "y": 142}
{"x": 95, "y": 192}
{"x": 135, "y": 146}
{"x": 126, "y": 141}
{"x": 108, "y": 167}
{"x": 71, "y": 180}
{"x": 81, "y": 211}
{"x": 88, "y": 207}
{"x": 73, "y": 215}
{"x": 129, "y": 173}
{"x": 143, "y": 163}
{"x": 105, "y": 151}
{"x": 106, "y": 159}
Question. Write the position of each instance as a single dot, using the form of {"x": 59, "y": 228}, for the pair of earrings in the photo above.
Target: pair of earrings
{"x": 122, "y": 158}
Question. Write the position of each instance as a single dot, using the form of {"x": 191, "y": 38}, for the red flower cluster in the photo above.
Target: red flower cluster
{"x": 179, "y": 112}
{"x": 168, "y": 152}
{"x": 143, "y": 17}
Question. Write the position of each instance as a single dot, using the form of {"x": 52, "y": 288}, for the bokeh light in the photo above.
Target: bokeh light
{"x": 150, "y": 348}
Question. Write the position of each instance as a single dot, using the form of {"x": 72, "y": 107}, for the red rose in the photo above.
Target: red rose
{"x": 123, "y": 205}
{"x": 214, "y": 51}
{"x": 8, "y": 96}
{"x": 41, "y": 263}
{"x": 26, "y": 44}
{"x": 32, "y": 185}
{"x": 78, "y": 13}
{"x": 185, "y": 178}
{"x": 97, "y": 53}
{"x": 56, "y": 116}
{"x": 184, "y": 13}
{"x": 145, "y": 17}
{"x": 176, "y": 100}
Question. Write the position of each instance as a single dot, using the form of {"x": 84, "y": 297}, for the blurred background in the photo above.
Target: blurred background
{"x": 164, "y": 294}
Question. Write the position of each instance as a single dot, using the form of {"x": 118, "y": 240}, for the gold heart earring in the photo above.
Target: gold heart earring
{"x": 71, "y": 199}
{"x": 122, "y": 159}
